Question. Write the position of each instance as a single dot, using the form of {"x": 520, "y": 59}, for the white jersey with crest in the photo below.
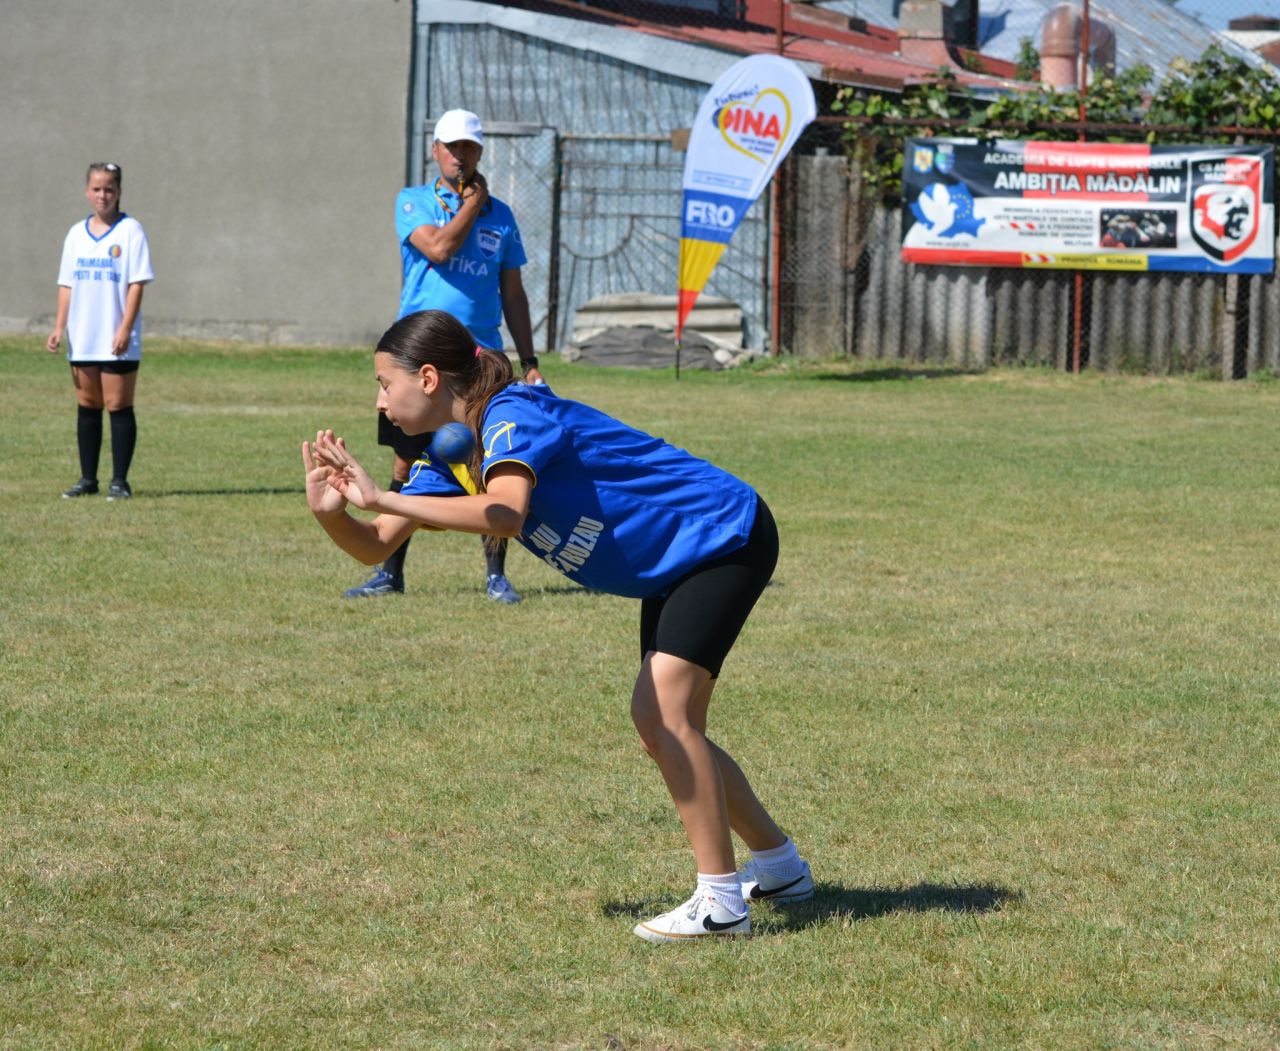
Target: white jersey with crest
{"x": 99, "y": 271}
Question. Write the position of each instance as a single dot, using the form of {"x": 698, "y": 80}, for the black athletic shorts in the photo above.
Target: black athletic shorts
{"x": 701, "y": 614}
{"x": 407, "y": 446}
{"x": 116, "y": 368}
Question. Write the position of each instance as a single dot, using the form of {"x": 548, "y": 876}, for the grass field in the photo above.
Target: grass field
{"x": 1014, "y": 692}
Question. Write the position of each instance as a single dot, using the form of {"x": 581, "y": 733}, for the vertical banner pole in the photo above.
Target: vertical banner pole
{"x": 1079, "y": 282}
{"x": 775, "y": 224}
{"x": 553, "y": 270}
{"x": 775, "y": 268}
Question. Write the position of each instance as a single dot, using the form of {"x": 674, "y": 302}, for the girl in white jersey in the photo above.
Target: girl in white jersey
{"x": 619, "y": 511}
{"x": 105, "y": 263}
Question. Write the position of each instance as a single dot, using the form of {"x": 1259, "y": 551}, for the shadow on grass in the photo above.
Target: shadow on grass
{"x": 566, "y": 589}
{"x": 833, "y": 901}
{"x": 578, "y": 589}
{"x": 156, "y": 494}
{"x": 896, "y": 372}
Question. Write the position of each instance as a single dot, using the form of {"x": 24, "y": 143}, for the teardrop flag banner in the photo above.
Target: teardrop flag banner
{"x": 746, "y": 125}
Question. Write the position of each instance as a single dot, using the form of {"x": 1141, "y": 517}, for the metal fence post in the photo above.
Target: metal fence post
{"x": 1227, "y": 327}
{"x": 553, "y": 264}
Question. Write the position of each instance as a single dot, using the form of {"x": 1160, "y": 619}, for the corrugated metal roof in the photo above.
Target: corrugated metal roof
{"x": 1147, "y": 31}
{"x": 690, "y": 60}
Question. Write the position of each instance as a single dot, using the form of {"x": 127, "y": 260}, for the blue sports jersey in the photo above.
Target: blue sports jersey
{"x": 612, "y": 507}
{"x": 465, "y": 286}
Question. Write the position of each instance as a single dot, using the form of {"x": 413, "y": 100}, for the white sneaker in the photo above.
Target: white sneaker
{"x": 758, "y": 885}
{"x": 702, "y": 916}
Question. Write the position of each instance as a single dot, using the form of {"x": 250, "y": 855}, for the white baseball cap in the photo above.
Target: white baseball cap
{"x": 458, "y": 124}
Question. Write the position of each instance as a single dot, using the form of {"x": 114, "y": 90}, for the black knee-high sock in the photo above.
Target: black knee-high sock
{"x": 124, "y": 435}
{"x": 395, "y": 561}
{"x": 495, "y": 556}
{"x": 89, "y": 440}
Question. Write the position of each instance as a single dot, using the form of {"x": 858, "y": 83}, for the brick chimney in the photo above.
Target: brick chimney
{"x": 926, "y": 32}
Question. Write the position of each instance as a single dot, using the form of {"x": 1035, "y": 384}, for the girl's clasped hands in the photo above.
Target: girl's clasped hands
{"x": 335, "y": 477}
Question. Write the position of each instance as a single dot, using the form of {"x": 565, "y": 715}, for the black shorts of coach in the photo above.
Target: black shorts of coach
{"x": 406, "y": 446}
{"x": 115, "y": 367}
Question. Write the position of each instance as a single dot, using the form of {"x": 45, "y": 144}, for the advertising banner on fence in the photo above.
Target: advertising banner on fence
{"x": 1089, "y": 205}
{"x": 746, "y": 125}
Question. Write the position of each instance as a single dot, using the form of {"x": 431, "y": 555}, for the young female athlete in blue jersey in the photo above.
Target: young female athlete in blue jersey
{"x": 619, "y": 511}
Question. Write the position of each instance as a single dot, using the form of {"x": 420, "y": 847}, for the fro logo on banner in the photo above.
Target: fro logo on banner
{"x": 708, "y": 213}
{"x": 711, "y": 217}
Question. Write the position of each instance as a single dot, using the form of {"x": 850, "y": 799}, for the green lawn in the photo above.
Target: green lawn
{"x": 1015, "y": 692}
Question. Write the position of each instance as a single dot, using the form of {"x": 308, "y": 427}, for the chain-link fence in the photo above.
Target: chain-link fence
{"x": 600, "y": 215}
{"x": 844, "y": 290}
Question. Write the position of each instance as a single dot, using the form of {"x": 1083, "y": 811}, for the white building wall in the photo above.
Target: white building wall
{"x": 262, "y": 145}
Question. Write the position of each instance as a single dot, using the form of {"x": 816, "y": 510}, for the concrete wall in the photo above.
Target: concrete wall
{"x": 262, "y": 143}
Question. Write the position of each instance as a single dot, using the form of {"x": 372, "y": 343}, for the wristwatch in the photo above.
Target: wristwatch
{"x": 529, "y": 363}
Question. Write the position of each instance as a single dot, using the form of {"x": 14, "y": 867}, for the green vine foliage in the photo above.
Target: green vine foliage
{"x": 1027, "y": 64}
{"x": 1217, "y": 91}
{"x": 877, "y": 146}
{"x": 1201, "y": 98}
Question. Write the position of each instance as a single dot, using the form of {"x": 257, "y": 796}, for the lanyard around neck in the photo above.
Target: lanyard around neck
{"x": 443, "y": 203}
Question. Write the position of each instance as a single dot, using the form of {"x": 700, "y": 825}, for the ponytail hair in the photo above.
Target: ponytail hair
{"x": 433, "y": 337}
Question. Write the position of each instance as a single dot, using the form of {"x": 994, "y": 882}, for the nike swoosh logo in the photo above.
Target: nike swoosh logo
{"x": 757, "y": 893}
{"x": 711, "y": 924}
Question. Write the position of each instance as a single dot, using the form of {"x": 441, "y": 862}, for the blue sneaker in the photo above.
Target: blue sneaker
{"x": 500, "y": 590}
{"x": 381, "y": 583}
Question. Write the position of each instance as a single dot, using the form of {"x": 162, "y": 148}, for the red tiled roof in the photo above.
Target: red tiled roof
{"x": 848, "y": 51}
{"x": 840, "y": 61}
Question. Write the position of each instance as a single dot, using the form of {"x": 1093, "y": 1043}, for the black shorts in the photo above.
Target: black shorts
{"x": 701, "y": 614}
{"x": 407, "y": 446}
{"x": 116, "y": 368}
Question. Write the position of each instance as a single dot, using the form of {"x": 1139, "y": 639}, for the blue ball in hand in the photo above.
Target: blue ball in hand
{"x": 452, "y": 443}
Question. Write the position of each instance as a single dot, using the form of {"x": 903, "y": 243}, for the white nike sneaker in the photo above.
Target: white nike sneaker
{"x": 699, "y": 917}
{"x": 758, "y": 885}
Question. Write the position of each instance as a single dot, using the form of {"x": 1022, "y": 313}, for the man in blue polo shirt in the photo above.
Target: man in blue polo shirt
{"x": 461, "y": 252}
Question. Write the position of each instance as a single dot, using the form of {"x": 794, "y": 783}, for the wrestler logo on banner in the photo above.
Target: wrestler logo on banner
{"x": 1226, "y": 194}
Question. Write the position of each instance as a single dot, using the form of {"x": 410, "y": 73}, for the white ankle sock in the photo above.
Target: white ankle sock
{"x": 726, "y": 889}
{"x": 783, "y": 861}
